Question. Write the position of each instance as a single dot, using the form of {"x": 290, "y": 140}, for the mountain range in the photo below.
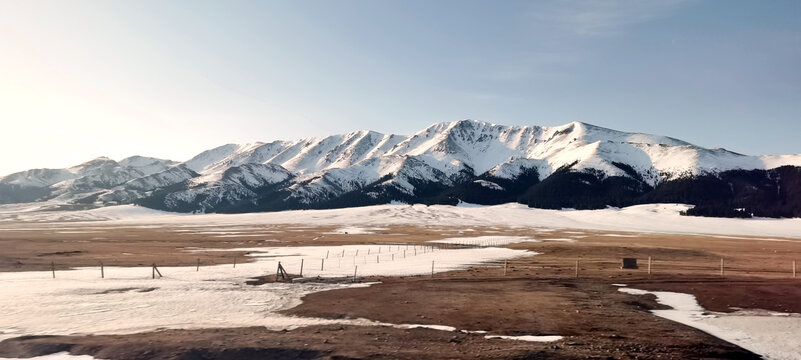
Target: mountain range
{"x": 576, "y": 165}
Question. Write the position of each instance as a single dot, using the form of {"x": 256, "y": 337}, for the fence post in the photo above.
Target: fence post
{"x": 505, "y": 266}
{"x": 432, "y": 268}
{"x": 326, "y": 254}
{"x": 53, "y": 268}
{"x": 322, "y": 264}
{"x": 234, "y": 262}
{"x": 356, "y": 267}
{"x": 301, "y": 267}
{"x": 577, "y": 268}
{"x": 198, "y": 265}
{"x": 102, "y": 273}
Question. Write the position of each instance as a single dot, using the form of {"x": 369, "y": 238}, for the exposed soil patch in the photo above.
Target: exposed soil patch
{"x": 347, "y": 342}
{"x": 726, "y": 295}
{"x": 597, "y": 319}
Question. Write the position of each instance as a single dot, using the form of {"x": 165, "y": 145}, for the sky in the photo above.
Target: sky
{"x": 169, "y": 79}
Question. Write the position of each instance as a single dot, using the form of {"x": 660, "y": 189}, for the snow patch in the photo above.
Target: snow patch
{"x": 772, "y": 335}
{"x": 532, "y": 338}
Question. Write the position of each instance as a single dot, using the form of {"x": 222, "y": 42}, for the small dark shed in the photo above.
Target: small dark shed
{"x": 629, "y": 263}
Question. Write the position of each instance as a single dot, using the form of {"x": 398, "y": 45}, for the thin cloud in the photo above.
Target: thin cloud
{"x": 591, "y": 18}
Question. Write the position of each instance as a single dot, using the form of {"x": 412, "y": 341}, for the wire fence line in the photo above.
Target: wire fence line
{"x": 721, "y": 267}
{"x": 332, "y": 262}
{"x": 356, "y": 261}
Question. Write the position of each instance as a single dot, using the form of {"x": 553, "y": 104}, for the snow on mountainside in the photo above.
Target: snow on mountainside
{"x": 314, "y": 170}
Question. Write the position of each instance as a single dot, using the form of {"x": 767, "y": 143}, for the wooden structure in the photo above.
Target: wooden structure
{"x": 281, "y": 273}
{"x": 629, "y": 263}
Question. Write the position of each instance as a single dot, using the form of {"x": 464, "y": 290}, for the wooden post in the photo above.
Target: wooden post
{"x": 322, "y": 264}
{"x": 376, "y": 258}
{"x": 326, "y": 254}
{"x": 301, "y": 267}
{"x": 156, "y": 271}
{"x": 432, "y": 268}
{"x": 102, "y": 273}
{"x": 280, "y": 272}
{"x": 404, "y": 254}
{"x": 505, "y": 266}
{"x": 357, "y": 253}
{"x": 53, "y": 268}
{"x": 343, "y": 253}
{"x": 153, "y": 271}
{"x": 198, "y": 265}
{"x": 721, "y": 266}
{"x": 368, "y": 251}
{"x": 577, "y": 268}
{"x": 354, "y": 272}
{"x": 234, "y": 262}
{"x": 649, "y": 265}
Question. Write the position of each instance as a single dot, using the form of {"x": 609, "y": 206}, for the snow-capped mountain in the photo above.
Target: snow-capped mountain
{"x": 445, "y": 162}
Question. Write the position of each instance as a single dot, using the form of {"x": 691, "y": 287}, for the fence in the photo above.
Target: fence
{"x": 354, "y": 261}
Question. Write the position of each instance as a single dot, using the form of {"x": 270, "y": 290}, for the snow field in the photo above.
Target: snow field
{"x": 380, "y": 260}
{"x": 484, "y": 241}
{"x": 127, "y": 300}
{"x": 652, "y": 218}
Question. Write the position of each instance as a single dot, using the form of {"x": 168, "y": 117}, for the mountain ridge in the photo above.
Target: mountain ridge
{"x": 439, "y": 163}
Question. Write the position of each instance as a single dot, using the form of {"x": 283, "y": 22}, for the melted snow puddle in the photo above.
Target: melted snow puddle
{"x": 772, "y": 335}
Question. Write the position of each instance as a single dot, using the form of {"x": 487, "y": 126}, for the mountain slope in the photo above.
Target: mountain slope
{"x": 573, "y": 165}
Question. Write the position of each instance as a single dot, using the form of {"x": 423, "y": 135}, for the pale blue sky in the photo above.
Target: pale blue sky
{"x": 80, "y": 79}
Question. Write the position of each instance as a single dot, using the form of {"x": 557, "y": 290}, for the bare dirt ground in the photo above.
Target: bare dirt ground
{"x": 539, "y": 295}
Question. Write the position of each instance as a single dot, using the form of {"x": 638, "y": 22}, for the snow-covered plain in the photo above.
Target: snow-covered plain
{"x": 772, "y": 335}
{"x": 78, "y": 302}
{"x": 651, "y": 218}
{"x": 128, "y": 300}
